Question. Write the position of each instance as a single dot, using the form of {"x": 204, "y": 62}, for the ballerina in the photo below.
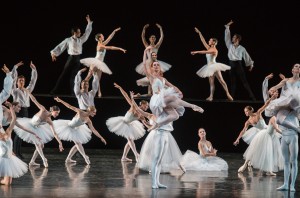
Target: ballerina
{"x": 98, "y": 61}
{"x": 10, "y": 165}
{"x": 77, "y": 130}
{"x": 212, "y": 69}
{"x": 42, "y": 125}
{"x": 129, "y": 126}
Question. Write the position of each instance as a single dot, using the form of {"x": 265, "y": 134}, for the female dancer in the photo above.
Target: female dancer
{"x": 42, "y": 125}
{"x": 264, "y": 149}
{"x": 207, "y": 160}
{"x": 98, "y": 61}
{"x": 165, "y": 99}
{"x": 212, "y": 69}
{"x": 129, "y": 126}
{"x": 78, "y": 130}
{"x": 10, "y": 165}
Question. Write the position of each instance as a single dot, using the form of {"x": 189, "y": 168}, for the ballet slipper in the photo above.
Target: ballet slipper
{"x": 125, "y": 159}
{"x": 161, "y": 185}
{"x": 242, "y": 168}
{"x": 283, "y": 187}
{"x": 33, "y": 164}
{"x": 197, "y": 108}
{"x": 69, "y": 160}
{"x": 270, "y": 173}
{"x": 154, "y": 186}
{"x": 87, "y": 160}
{"x": 210, "y": 98}
{"x": 292, "y": 188}
{"x": 45, "y": 162}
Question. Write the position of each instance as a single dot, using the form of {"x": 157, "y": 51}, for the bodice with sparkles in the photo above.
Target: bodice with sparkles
{"x": 100, "y": 55}
{"x": 76, "y": 122}
{"x": 129, "y": 117}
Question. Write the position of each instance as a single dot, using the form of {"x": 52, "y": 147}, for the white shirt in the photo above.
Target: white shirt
{"x": 85, "y": 99}
{"x": 19, "y": 95}
{"x": 236, "y": 53}
{"x": 73, "y": 44}
{"x": 5, "y": 93}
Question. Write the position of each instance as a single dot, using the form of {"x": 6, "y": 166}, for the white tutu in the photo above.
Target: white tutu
{"x": 81, "y": 134}
{"x": 132, "y": 130}
{"x": 170, "y": 160}
{"x": 43, "y": 131}
{"x": 144, "y": 82}
{"x": 10, "y": 165}
{"x": 193, "y": 161}
{"x": 209, "y": 69}
{"x": 96, "y": 62}
{"x": 250, "y": 134}
{"x": 163, "y": 66}
{"x": 264, "y": 151}
{"x": 157, "y": 102}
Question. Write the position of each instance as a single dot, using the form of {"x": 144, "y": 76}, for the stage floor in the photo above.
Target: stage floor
{"x": 107, "y": 176}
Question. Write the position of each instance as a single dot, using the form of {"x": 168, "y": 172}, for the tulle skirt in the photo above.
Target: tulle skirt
{"x": 144, "y": 82}
{"x": 209, "y": 70}
{"x": 163, "y": 66}
{"x": 170, "y": 160}
{"x": 157, "y": 102}
{"x": 264, "y": 151}
{"x": 133, "y": 130}
{"x": 250, "y": 134}
{"x": 193, "y": 161}
{"x": 12, "y": 167}
{"x": 96, "y": 62}
{"x": 43, "y": 131}
{"x": 81, "y": 134}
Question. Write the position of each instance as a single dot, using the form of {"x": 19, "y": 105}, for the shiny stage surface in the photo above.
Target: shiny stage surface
{"x": 107, "y": 176}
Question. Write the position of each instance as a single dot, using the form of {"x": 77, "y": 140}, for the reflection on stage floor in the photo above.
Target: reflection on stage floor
{"x": 107, "y": 176}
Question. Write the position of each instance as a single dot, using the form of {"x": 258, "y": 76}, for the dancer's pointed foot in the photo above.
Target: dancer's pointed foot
{"x": 270, "y": 173}
{"x": 45, "y": 162}
{"x": 137, "y": 158}
{"x": 229, "y": 97}
{"x": 242, "y": 168}
{"x": 69, "y": 160}
{"x": 210, "y": 98}
{"x": 197, "y": 108}
{"x": 154, "y": 126}
{"x": 283, "y": 187}
{"x": 99, "y": 94}
{"x": 87, "y": 160}
{"x": 292, "y": 188}
{"x": 161, "y": 185}
{"x": 33, "y": 164}
{"x": 125, "y": 159}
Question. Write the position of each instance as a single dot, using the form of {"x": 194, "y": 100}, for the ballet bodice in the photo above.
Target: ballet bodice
{"x": 261, "y": 124}
{"x": 206, "y": 149}
{"x": 76, "y": 122}
{"x": 293, "y": 86}
{"x": 100, "y": 55}
{"x": 157, "y": 85}
{"x": 6, "y": 148}
{"x": 129, "y": 117}
{"x": 36, "y": 121}
{"x": 211, "y": 58}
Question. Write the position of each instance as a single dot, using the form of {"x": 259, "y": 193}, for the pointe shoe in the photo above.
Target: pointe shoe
{"x": 197, "y": 108}
{"x": 33, "y": 164}
{"x": 209, "y": 98}
{"x": 229, "y": 97}
{"x": 283, "y": 188}
{"x": 292, "y": 189}
{"x": 242, "y": 168}
{"x": 99, "y": 94}
{"x": 182, "y": 168}
{"x": 161, "y": 185}
{"x": 155, "y": 186}
{"x": 270, "y": 173}
{"x": 45, "y": 163}
{"x": 87, "y": 160}
{"x": 249, "y": 164}
{"x": 125, "y": 159}
{"x": 68, "y": 160}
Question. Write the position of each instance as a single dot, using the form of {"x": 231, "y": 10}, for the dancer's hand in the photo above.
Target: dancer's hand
{"x": 269, "y": 76}
{"x": 236, "y": 142}
{"x": 250, "y": 68}
{"x": 117, "y": 86}
{"x": 5, "y": 69}
{"x": 57, "y": 99}
{"x": 282, "y": 76}
{"x": 32, "y": 65}
{"x": 229, "y": 23}
{"x": 53, "y": 57}
{"x": 19, "y": 64}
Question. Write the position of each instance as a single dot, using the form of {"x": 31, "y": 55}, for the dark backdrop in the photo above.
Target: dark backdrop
{"x": 30, "y": 29}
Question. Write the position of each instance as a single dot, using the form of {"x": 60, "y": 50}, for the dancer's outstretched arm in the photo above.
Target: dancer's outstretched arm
{"x": 202, "y": 38}
{"x": 161, "y": 38}
{"x": 111, "y": 36}
{"x": 91, "y": 126}
{"x": 123, "y": 93}
{"x": 246, "y": 125}
{"x": 77, "y": 110}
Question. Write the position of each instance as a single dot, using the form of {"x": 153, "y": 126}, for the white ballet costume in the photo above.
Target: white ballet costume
{"x": 252, "y": 132}
{"x": 163, "y": 65}
{"x": 264, "y": 151}
{"x": 289, "y": 98}
{"x": 157, "y": 99}
{"x": 10, "y": 165}
{"x": 196, "y": 162}
{"x": 73, "y": 130}
{"x": 127, "y": 126}
{"x": 98, "y": 61}
{"x": 211, "y": 67}
{"x": 34, "y": 124}
{"x": 170, "y": 159}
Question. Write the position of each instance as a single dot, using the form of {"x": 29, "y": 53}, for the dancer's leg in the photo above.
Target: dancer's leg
{"x": 99, "y": 73}
{"x": 125, "y": 152}
{"x": 41, "y": 153}
{"x": 224, "y": 85}
{"x": 72, "y": 152}
{"x": 34, "y": 156}
{"x": 286, "y": 157}
{"x": 211, "y": 81}
{"x": 172, "y": 115}
{"x": 82, "y": 152}
{"x": 133, "y": 148}
{"x": 294, "y": 149}
{"x": 175, "y": 102}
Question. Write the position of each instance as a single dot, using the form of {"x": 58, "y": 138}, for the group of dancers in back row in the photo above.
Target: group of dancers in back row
{"x": 160, "y": 152}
